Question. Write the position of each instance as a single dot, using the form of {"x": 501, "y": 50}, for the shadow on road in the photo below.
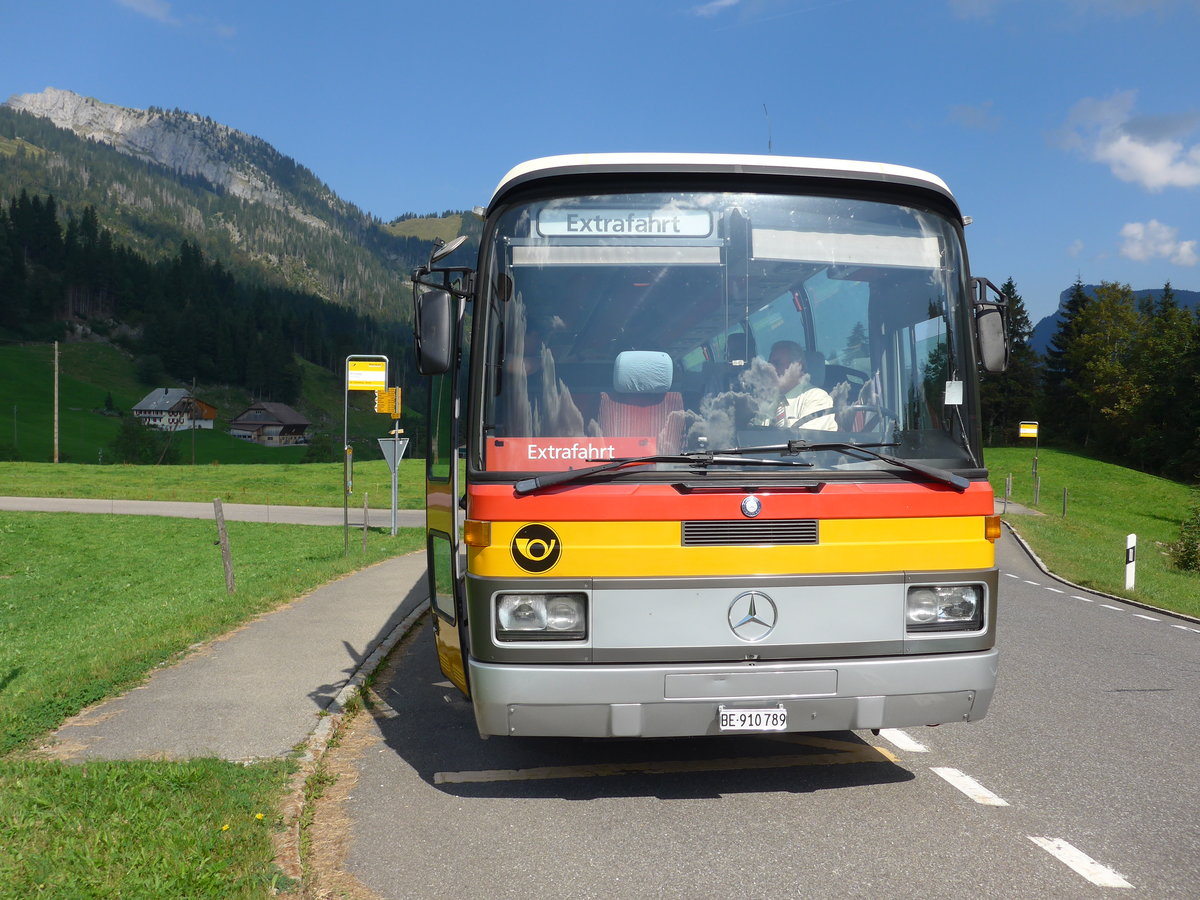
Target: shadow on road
{"x": 429, "y": 724}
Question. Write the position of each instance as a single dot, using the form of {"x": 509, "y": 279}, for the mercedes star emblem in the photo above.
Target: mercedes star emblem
{"x": 751, "y": 507}
{"x": 752, "y": 615}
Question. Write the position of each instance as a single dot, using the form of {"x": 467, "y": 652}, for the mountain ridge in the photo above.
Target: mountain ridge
{"x": 171, "y": 176}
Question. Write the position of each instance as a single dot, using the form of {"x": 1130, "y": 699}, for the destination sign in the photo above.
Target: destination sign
{"x": 566, "y": 222}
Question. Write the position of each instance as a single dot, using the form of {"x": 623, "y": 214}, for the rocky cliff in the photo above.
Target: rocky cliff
{"x": 236, "y": 163}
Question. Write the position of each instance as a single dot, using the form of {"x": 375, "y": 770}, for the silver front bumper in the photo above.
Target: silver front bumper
{"x": 681, "y": 700}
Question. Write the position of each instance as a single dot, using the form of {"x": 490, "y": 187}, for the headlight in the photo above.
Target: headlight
{"x": 541, "y": 617}
{"x": 944, "y": 607}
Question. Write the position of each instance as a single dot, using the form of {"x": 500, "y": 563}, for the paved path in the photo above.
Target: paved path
{"x": 259, "y": 691}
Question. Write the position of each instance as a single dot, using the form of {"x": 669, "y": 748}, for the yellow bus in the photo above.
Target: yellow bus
{"x": 704, "y": 450}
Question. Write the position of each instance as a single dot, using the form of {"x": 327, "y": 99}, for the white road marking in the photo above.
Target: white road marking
{"x": 1011, "y": 575}
{"x": 970, "y": 787}
{"x": 1055, "y": 590}
{"x": 1084, "y": 599}
{"x": 1110, "y": 606}
{"x": 903, "y": 740}
{"x": 1147, "y": 618}
{"x": 1034, "y": 583}
{"x": 1093, "y": 871}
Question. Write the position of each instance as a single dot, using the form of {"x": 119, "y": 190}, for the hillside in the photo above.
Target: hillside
{"x": 157, "y": 178}
{"x": 92, "y": 372}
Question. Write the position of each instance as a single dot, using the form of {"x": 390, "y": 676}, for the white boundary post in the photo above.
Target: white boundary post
{"x": 1130, "y": 561}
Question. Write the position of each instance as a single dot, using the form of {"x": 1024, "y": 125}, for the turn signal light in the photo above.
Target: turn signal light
{"x": 991, "y": 528}
{"x": 477, "y": 533}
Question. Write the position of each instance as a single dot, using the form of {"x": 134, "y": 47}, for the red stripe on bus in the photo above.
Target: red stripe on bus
{"x": 661, "y": 502}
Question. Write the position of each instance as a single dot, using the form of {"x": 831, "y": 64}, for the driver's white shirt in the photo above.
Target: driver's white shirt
{"x": 803, "y": 400}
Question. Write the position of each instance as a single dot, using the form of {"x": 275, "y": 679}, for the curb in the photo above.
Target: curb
{"x": 287, "y": 843}
{"x": 1037, "y": 561}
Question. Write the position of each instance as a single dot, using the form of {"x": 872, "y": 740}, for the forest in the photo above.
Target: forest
{"x": 184, "y": 315}
{"x": 1120, "y": 381}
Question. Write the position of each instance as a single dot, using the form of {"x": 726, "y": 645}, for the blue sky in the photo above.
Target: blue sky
{"x": 1068, "y": 129}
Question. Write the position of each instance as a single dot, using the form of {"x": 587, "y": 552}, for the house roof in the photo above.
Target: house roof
{"x": 268, "y": 413}
{"x": 161, "y": 399}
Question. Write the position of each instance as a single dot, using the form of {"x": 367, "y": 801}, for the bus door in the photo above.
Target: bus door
{"x": 443, "y": 519}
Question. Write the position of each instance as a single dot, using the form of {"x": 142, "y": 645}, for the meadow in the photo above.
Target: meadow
{"x": 1104, "y": 503}
{"x": 89, "y": 605}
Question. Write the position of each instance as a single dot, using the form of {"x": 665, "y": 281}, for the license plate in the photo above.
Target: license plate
{"x": 730, "y": 719}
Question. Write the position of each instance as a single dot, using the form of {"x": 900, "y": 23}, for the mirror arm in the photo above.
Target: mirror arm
{"x": 981, "y": 287}
{"x": 423, "y": 275}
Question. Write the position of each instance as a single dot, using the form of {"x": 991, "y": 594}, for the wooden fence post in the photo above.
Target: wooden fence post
{"x": 223, "y": 535}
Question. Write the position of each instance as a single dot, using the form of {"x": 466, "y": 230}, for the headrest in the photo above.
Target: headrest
{"x": 736, "y": 349}
{"x": 814, "y": 365}
{"x": 642, "y": 372}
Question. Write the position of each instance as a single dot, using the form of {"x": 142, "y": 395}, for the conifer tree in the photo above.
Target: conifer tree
{"x": 1012, "y": 396}
{"x": 1060, "y": 407}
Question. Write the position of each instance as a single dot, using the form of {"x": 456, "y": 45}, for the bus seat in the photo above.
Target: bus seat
{"x": 642, "y": 402}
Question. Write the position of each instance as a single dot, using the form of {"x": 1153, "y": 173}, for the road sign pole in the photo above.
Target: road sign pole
{"x": 395, "y": 468}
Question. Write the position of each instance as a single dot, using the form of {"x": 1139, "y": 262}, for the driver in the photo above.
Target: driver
{"x": 801, "y": 403}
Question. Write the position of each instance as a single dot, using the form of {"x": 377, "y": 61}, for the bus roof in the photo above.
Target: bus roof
{"x": 739, "y": 164}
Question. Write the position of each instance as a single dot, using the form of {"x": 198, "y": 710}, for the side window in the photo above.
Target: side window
{"x": 440, "y": 556}
{"x": 441, "y": 427}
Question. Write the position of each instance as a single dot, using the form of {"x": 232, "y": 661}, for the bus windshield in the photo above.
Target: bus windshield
{"x": 658, "y": 324}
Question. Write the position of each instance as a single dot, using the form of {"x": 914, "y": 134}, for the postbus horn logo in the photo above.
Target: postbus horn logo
{"x": 536, "y": 548}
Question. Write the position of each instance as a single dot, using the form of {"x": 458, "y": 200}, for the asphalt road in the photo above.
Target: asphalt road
{"x": 1079, "y": 783}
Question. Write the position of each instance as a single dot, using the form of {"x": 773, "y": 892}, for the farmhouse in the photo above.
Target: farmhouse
{"x": 272, "y": 424}
{"x": 174, "y": 409}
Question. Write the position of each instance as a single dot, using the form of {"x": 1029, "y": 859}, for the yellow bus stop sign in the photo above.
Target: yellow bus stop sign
{"x": 1028, "y": 430}
{"x": 366, "y": 374}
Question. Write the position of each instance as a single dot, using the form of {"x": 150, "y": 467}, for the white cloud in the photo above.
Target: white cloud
{"x": 158, "y": 10}
{"x": 974, "y": 9}
{"x": 713, "y": 7}
{"x": 983, "y": 9}
{"x": 1076, "y": 248}
{"x": 1145, "y": 241}
{"x": 1146, "y": 150}
{"x": 978, "y": 117}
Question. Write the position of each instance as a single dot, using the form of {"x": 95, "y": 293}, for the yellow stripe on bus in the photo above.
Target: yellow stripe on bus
{"x": 631, "y": 549}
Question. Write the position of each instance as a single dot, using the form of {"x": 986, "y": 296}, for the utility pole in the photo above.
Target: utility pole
{"x": 55, "y": 401}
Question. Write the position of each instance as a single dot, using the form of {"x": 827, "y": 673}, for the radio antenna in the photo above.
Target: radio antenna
{"x": 768, "y": 115}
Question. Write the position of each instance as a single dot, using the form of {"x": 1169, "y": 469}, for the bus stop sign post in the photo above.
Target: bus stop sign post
{"x": 1030, "y": 430}
{"x": 363, "y": 373}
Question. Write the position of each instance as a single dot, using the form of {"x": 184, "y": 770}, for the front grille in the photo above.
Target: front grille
{"x": 740, "y": 532}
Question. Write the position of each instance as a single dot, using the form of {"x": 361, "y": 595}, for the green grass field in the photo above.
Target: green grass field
{"x": 196, "y": 829}
{"x": 1104, "y": 504}
{"x": 89, "y": 604}
{"x": 311, "y": 484}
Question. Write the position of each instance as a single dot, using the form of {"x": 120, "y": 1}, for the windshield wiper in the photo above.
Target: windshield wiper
{"x": 792, "y": 448}
{"x": 698, "y": 460}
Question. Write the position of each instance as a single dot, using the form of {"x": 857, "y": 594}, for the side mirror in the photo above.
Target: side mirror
{"x": 433, "y": 329}
{"x": 991, "y": 326}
